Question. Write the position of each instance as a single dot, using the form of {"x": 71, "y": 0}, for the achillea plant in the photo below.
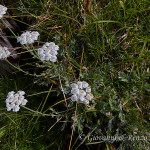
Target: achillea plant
{"x": 109, "y": 51}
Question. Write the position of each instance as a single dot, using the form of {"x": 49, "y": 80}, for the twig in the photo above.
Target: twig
{"x": 73, "y": 127}
{"x": 54, "y": 124}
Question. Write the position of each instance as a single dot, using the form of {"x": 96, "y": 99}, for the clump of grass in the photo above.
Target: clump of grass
{"x": 104, "y": 43}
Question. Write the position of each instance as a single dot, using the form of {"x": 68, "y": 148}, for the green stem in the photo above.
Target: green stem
{"x": 36, "y": 112}
{"x": 18, "y": 68}
{"x": 9, "y": 29}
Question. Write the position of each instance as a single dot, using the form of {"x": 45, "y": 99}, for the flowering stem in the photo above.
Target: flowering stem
{"x": 9, "y": 29}
{"x": 36, "y": 112}
{"x": 35, "y": 53}
{"x": 18, "y": 68}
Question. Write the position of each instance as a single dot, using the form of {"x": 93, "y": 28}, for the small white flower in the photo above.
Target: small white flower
{"x": 12, "y": 106}
{"x": 88, "y": 90}
{"x": 21, "y": 98}
{"x": 82, "y": 98}
{"x": 74, "y": 85}
{"x": 4, "y": 53}
{"x": 79, "y": 84}
{"x": 56, "y": 48}
{"x": 53, "y": 58}
{"x": 46, "y": 44}
{"x": 7, "y": 101}
{"x": 11, "y": 99}
{"x": 46, "y": 52}
{"x": 24, "y": 102}
{"x": 47, "y": 57}
{"x": 18, "y": 102}
{"x": 52, "y": 44}
{"x": 74, "y": 98}
{"x": 40, "y": 51}
{"x": 34, "y": 35}
{"x": 10, "y": 94}
{"x": 8, "y": 108}
{"x": 85, "y": 84}
{"x": 89, "y": 96}
{"x": 53, "y": 52}
{"x": 21, "y": 93}
{"x": 75, "y": 91}
{"x": 16, "y": 96}
{"x": 3, "y": 10}
{"x": 42, "y": 57}
{"x": 7, "y": 105}
{"x": 16, "y": 108}
{"x": 82, "y": 93}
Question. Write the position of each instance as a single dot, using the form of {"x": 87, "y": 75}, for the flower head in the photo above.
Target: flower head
{"x": 14, "y": 100}
{"x": 3, "y": 10}
{"x": 48, "y": 52}
{"x": 4, "y": 53}
{"x": 28, "y": 37}
{"x": 81, "y": 92}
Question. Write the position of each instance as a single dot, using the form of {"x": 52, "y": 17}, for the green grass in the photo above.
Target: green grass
{"x": 107, "y": 45}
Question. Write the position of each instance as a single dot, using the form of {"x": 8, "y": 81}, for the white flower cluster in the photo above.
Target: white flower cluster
{"x": 28, "y": 37}
{"x": 3, "y": 10}
{"x": 4, "y": 53}
{"x": 81, "y": 92}
{"x": 14, "y": 100}
{"x": 48, "y": 52}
